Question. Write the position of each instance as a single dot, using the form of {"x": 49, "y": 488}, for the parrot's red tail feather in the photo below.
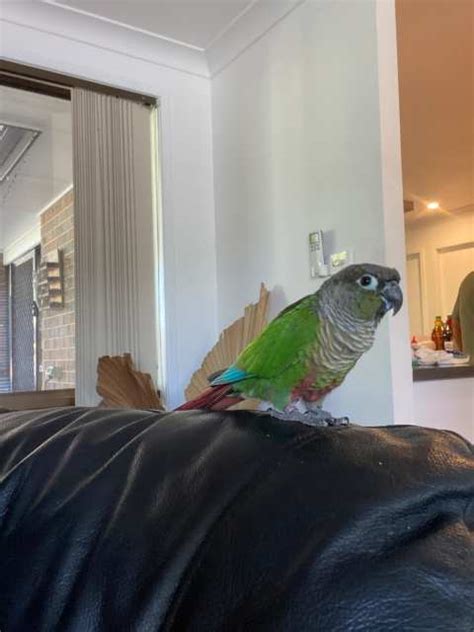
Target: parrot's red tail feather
{"x": 214, "y": 398}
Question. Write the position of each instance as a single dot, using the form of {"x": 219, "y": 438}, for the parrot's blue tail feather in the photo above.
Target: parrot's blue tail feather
{"x": 230, "y": 376}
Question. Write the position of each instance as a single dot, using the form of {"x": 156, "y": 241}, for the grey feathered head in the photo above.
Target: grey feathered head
{"x": 366, "y": 290}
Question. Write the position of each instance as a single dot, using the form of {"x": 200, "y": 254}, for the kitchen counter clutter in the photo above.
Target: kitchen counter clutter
{"x": 433, "y": 362}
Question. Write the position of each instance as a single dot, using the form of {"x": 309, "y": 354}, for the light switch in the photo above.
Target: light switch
{"x": 316, "y": 253}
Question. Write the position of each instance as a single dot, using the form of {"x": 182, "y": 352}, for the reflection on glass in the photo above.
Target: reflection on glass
{"x": 37, "y": 342}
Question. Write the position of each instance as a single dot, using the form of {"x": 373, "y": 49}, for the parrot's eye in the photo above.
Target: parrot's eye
{"x": 368, "y": 282}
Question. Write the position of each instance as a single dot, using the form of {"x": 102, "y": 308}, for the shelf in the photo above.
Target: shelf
{"x": 424, "y": 373}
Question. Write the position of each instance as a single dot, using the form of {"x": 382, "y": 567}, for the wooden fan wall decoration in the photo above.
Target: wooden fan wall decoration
{"x": 231, "y": 342}
{"x": 121, "y": 386}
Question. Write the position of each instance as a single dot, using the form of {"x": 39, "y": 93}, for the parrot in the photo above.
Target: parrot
{"x": 309, "y": 348}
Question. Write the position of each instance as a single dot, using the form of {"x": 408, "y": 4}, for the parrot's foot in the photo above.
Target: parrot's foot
{"x": 316, "y": 412}
{"x": 311, "y": 417}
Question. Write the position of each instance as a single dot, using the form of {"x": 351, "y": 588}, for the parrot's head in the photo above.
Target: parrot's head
{"x": 366, "y": 291}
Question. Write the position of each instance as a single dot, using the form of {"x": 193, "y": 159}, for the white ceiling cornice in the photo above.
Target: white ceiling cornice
{"x": 67, "y": 7}
{"x": 57, "y": 19}
{"x": 87, "y": 29}
{"x": 252, "y": 24}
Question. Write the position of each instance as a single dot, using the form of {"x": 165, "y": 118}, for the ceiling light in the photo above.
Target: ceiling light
{"x": 14, "y": 143}
{"x": 432, "y": 206}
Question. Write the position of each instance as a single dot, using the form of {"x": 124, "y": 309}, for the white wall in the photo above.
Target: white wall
{"x": 305, "y": 130}
{"x": 301, "y": 141}
{"x": 444, "y": 251}
{"x": 47, "y": 37}
{"x": 46, "y": 169}
{"x": 26, "y": 241}
{"x": 446, "y": 404}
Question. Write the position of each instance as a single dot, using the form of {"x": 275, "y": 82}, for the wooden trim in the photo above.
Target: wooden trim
{"x": 59, "y": 85}
{"x": 32, "y": 400}
{"x": 422, "y": 374}
{"x": 32, "y": 85}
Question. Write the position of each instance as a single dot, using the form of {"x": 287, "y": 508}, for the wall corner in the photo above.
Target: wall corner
{"x": 394, "y": 229}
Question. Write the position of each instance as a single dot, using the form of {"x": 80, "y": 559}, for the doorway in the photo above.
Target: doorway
{"x": 92, "y": 290}
{"x": 36, "y": 240}
{"x": 24, "y": 323}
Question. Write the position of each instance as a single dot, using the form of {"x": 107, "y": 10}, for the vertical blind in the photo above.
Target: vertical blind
{"x": 114, "y": 234}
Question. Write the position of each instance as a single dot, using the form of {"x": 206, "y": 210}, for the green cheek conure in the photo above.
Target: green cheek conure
{"x": 310, "y": 347}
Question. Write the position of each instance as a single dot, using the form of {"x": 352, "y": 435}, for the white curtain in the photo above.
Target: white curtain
{"x": 115, "y": 241}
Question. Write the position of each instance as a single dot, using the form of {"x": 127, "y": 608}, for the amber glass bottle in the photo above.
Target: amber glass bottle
{"x": 438, "y": 333}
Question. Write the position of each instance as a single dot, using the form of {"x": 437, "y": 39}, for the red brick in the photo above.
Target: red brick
{"x": 58, "y": 330}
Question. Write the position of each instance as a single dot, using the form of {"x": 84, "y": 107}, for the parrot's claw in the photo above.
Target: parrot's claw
{"x": 314, "y": 418}
{"x": 338, "y": 421}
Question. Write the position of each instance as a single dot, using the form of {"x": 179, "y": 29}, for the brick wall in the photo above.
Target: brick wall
{"x": 57, "y": 325}
{"x": 4, "y": 347}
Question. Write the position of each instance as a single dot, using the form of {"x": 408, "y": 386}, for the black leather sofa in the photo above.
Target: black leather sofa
{"x": 138, "y": 521}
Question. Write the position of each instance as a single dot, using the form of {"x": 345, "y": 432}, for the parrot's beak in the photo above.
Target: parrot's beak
{"x": 392, "y": 296}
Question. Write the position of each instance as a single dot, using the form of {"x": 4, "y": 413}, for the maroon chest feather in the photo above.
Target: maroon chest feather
{"x": 307, "y": 391}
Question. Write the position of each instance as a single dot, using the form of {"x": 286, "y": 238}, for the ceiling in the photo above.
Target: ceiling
{"x": 436, "y": 76}
{"x": 45, "y": 170}
{"x": 194, "y": 23}
{"x": 435, "y": 48}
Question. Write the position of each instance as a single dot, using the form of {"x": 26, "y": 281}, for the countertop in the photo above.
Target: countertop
{"x": 421, "y": 373}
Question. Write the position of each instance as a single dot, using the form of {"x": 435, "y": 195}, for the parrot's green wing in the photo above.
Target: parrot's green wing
{"x": 287, "y": 340}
